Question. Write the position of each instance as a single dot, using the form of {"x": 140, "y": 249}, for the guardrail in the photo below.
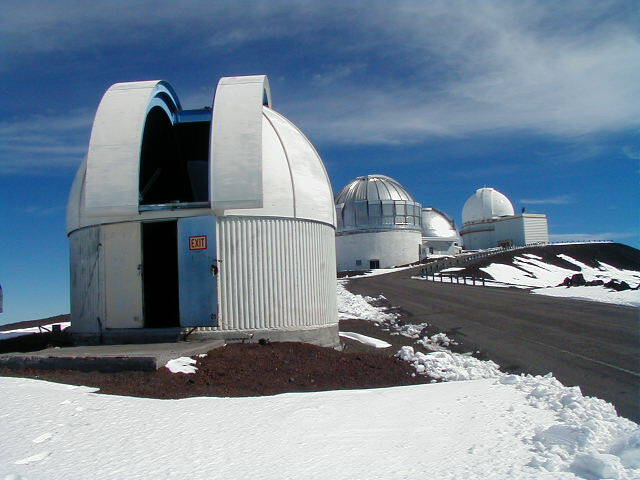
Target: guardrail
{"x": 465, "y": 280}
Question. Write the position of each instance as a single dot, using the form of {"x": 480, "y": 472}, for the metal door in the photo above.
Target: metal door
{"x": 198, "y": 271}
{"x": 121, "y": 245}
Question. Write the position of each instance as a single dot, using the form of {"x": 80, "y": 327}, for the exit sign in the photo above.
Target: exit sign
{"x": 198, "y": 242}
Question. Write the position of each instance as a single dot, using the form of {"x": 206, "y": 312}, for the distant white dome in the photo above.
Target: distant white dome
{"x": 437, "y": 224}
{"x": 486, "y": 204}
{"x": 376, "y": 202}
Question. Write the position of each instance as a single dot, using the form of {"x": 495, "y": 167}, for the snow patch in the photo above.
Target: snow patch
{"x": 18, "y": 332}
{"x": 351, "y": 305}
{"x": 182, "y": 365}
{"x": 373, "y": 342}
{"x": 595, "y": 294}
{"x": 448, "y": 366}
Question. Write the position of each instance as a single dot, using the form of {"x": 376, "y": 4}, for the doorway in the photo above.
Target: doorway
{"x": 160, "y": 274}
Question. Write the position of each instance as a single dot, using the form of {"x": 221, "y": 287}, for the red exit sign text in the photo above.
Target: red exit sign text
{"x": 198, "y": 242}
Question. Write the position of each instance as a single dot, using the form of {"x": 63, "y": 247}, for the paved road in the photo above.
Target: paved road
{"x": 593, "y": 345}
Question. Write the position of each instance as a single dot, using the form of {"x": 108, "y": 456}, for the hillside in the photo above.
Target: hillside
{"x": 617, "y": 255}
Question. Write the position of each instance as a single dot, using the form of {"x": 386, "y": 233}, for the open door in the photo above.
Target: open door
{"x": 122, "y": 264}
{"x": 198, "y": 271}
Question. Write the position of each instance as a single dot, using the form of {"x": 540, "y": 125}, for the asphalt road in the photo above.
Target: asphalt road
{"x": 593, "y": 345}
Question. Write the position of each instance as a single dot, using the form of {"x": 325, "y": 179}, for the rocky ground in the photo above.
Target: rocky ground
{"x": 253, "y": 369}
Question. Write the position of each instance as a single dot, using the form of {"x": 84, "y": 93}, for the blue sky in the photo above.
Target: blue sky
{"x": 537, "y": 99}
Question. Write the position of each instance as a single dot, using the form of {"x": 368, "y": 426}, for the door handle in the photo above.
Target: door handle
{"x": 214, "y": 268}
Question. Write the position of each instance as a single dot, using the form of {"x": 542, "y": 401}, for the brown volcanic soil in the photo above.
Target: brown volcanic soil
{"x": 238, "y": 370}
{"x": 614, "y": 254}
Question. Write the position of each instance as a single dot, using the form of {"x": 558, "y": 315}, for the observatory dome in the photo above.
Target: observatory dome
{"x": 437, "y": 224}
{"x": 376, "y": 202}
{"x": 486, "y": 204}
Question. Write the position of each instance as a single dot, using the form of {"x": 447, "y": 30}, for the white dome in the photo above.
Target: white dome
{"x": 486, "y": 204}
{"x": 376, "y": 202}
{"x": 286, "y": 177}
{"x": 437, "y": 224}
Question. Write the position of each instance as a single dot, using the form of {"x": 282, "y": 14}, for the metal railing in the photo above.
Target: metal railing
{"x": 464, "y": 280}
{"x": 464, "y": 259}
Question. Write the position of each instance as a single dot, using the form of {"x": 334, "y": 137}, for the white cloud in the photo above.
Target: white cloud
{"x": 387, "y": 75}
{"x": 40, "y": 143}
{"x": 557, "y": 200}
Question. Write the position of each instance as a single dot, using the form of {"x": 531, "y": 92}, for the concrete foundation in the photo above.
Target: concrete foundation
{"x": 107, "y": 358}
{"x": 323, "y": 336}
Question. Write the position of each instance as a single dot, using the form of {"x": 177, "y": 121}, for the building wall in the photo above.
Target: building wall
{"x": 508, "y": 231}
{"x": 517, "y": 230}
{"x": 440, "y": 246}
{"x": 478, "y": 236}
{"x": 536, "y": 229}
{"x": 276, "y": 273}
{"x": 391, "y": 248}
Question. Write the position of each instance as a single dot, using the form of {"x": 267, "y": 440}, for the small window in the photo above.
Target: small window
{"x": 358, "y": 262}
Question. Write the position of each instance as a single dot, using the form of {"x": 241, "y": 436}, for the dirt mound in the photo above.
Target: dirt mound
{"x": 614, "y": 254}
{"x": 238, "y": 370}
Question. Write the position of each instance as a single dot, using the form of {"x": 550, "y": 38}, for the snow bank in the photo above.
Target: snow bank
{"x": 529, "y": 270}
{"x": 587, "y": 437}
{"x": 596, "y": 294}
{"x": 28, "y": 331}
{"x": 510, "y": 429}
{"x": 182, "y": 365}
{"x": 448, "y": 366}
{"x": 381, "y": 271}
{"x": 373, "y": 342}
{"x": 356, "y": 306}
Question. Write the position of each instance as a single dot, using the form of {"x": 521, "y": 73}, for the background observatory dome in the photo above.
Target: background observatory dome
{"x": 437, "y": 224}
{"x": 486, "y": 204}
{"x": 375, "y": 202}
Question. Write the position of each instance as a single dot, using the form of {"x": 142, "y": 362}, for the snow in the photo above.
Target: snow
{"x": 381, "y": 271}
{"x": 356, "y": 306}
{"x": 374, "y": 342}
{"x": 28, "y": 331}
{"x": 521, "y": 427}
{"x": 597, "y": 294}
{"x": 448, "y": 366}
{"x": 182, "y": 365}
{"x": 529, "y": 271}
{"x": 436, "y": 342}
{"x": 533, "y": 272}
{"x": 486, "y": 424}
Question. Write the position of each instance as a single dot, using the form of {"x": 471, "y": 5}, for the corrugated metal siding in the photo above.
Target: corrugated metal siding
{"x": 276, "y": 273}
{"x": 87, "y": 280}
{"x": 536, "y": 230}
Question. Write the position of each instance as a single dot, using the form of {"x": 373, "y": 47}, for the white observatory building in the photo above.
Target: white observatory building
{"x": 378, "y": 224}
{"x": 439, "y": 234}
{"x": 218, "y": 220}
{"x": 489, "y": 220}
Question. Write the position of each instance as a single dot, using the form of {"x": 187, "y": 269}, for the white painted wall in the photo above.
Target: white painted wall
{"x": 518, "y": 230}
{"x": 276, "y": 273}
{"x": 392, "y": 248}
